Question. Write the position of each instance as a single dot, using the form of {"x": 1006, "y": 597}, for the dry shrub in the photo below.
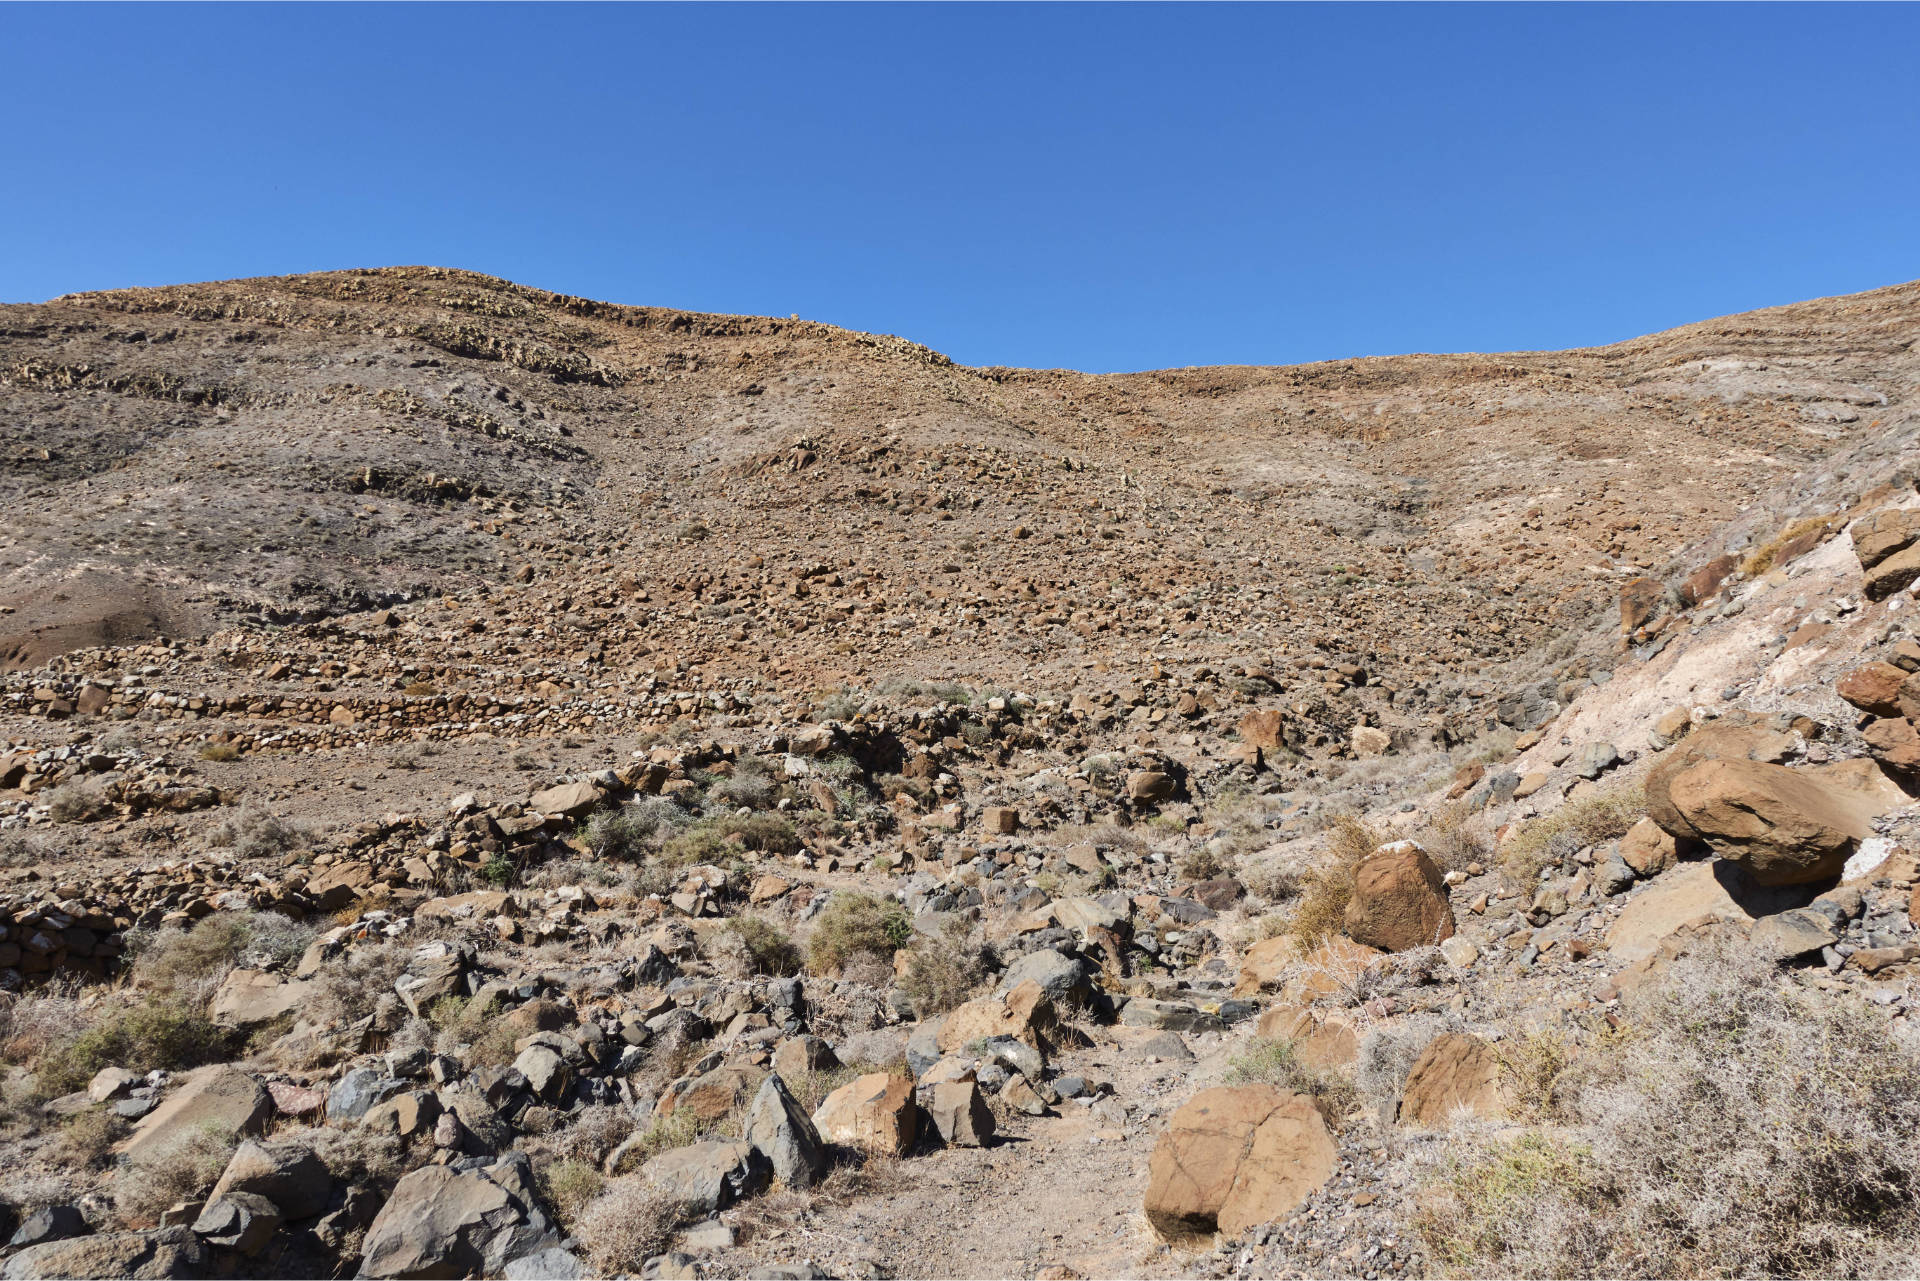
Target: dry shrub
{"x": 1534, "y": 1068}
{"x": 255, "y": 833}
{"x": 218, "y": 751}
{"x": 1323, "y": 899}
{"x": 183, "y": 1172}
{"x": 943, "y": 973}
{"x": 352, "y": 985}
{"x": 77, "y": 802}
{"x": 810, "y": 1089}
{"x": 595, "y": 1131}
{"x": 1388, "y": 1053}
{"x": 1762, "y": 558}
{"x": 1273, "y": 1062}
{"x": 630, "y": 1222}
{"x": 857, "y": 924}
{"x": 191, "y": 963}
{"x": 569, "y": 1186}
{"x": 1741, "y": 1127}
{"x": 1455, "y": 837}
{"x": 1553, "y": 838}
{"x": 87, "y": 1138}
{"x": 750, "y": 945}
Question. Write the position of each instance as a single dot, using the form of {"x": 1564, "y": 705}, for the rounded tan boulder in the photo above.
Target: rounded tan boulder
{"x": 1399, "y": 900}
{"x": 1710, "y": 743}
{"x": 1235, "y": 1156}
{"x": 1454, "y": 1072}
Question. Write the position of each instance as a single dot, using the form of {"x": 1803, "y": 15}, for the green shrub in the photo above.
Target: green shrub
{"x": 763, "y": 946}
{"x": 159, "y": 1032}
{"x": 857, "y": 923}
{"x": 1273, "y": 1062}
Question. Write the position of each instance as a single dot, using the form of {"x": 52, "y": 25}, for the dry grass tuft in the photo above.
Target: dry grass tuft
{"x": 1762, "y": 558}
{"x": 630, "y": 1222}
{"x": 1742, "y": 1126}
{"x": 1328, "y": 887}
{"x": 1554, "y": 837}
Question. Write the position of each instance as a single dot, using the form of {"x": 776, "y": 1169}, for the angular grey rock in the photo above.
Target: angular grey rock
{"x": 242, "y": 1221}
{"x": 782, "y": 1132}
{"x": 1613, "y": 876}
{"x": 287, "y": 1174}
{"x": 709, "y": 1176}
{"x": 959, "y": 1113}
{"x": 357, "y": 1091}
{"x": 446, "y": 1222}
{"x": 1172, "y": 1016}
{"x": 1595, "y": 759}
{"x": 50, "y": 1223}
{"x": 1794, "y": 933}
{"x": 1063, "y": 978}
{"x": 550, "y": 1264}
{"x": 165, "y": 1253}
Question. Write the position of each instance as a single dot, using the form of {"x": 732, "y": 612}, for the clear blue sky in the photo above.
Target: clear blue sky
{"x": 1085, "y": 186}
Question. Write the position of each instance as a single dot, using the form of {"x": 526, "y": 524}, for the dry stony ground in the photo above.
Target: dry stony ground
{"x": 445, "y": 721}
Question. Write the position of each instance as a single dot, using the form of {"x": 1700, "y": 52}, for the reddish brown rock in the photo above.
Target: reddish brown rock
{"x": 1639, "y": 603}
{"x": 1895, "y": 745}
{"x": 1785, "y": 826}
{"x": 1263, "y": 729}
{"x": 1321, "y": 1039}
{"x": 1399, "y": 900}
{"x": 1881, "y": 534}
{"x": 1648, "y": 849}
{"x": 1708, "y": 743}
{"x": 1703, "y": 582}
{"x": 1874, "y": 688}
{"x": 1233, "y": 1157}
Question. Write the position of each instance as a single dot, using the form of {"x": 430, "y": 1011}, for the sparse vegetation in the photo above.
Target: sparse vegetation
{"x": 756, "y": 945}
{"x": 856, "y": 924}
{"x": 1274, "y": 1062}
{"x": 1555, "y": 837}
{"x": 943, "y": 973}
{"x": 218, "y": 751}
{"x": 1741, "y": 1127}
{"x": 1762, "y": 558}
{"x": 254, "y": 833}
{"x": 629, "y": 1223}
{"x": 1329, "y": 885}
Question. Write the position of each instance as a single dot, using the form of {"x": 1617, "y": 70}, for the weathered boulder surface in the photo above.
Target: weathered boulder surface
{"x": 1234, "y": 1156}
{"x": 785, "y": 1135}
{"x": 710, "y": 1176}
{"x": 221, "y": 1099}
{"x": 167, "y": 1252}
{"x": 876, "y": 1112}
{"x": 1454, "y": 1072}
{"x": 1785, "y": 826}
{"x": 443, "y": 1221}
{"x": 1399, "y": 900}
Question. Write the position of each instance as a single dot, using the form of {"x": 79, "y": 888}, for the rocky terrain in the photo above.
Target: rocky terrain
{"x": 498, "y": 784}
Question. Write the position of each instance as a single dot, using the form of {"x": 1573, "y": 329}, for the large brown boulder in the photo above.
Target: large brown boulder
{"x": 1890, "y": 575}
{"x": 1895, "y": 744}
{"x": 1731, "y": 742}
{"x": 1025, "y": 1014}
{"x": 1785, "y": 826}
{"x": 1881, "y": 534}
{"x": 1874, "y": 688}
{"x": 875, "y": 1112}
{"x": 1454, "y": 1072}
{"x": 1235, "y": 1156}
{"x": 1399, "y": 900}
{"x": 1264, "y": 729}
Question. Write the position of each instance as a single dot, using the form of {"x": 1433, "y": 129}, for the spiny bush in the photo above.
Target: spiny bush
{"x": 1742, "y": 1126}
{"x": 76, "y": 802}
{"x": 853, "y": 924}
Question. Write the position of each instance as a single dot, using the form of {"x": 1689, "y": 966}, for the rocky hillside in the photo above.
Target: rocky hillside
{"x": 498, "y": 784}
